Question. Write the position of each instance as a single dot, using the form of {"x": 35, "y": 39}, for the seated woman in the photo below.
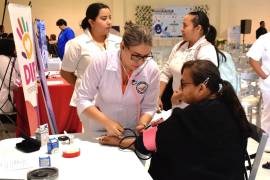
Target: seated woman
{"x": 205, "y": 140}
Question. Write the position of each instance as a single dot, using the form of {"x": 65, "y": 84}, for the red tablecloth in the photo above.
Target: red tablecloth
{"x": 65, "y": 115}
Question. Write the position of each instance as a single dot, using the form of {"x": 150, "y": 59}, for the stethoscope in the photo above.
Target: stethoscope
{"x": 132, "y": 134}
{"x": 134, "y": 84}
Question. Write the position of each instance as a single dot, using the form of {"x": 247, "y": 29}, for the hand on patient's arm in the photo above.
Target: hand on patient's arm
{"x": 113, "y": 128}
{"x": 68, "y": 76}
{"x": 176, "y": 97}
{"x": 143, "y": 122}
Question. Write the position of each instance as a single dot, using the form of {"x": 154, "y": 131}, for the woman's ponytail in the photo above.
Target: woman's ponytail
{"x": 229, "y": 97}
{"x": 85, "y": 24}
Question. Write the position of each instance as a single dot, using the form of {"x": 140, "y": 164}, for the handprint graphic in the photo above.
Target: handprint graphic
{"x": 23, "y": 33}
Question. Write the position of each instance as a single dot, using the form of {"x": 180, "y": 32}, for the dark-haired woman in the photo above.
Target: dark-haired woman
{"x": 194, "y": 46}
{"x": 120, "y": 88}
{"x": 96, "y": 38}
{"x": 205, "y": 140}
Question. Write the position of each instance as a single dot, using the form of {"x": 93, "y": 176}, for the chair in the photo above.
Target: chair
{"x": 242, "y": 63}
{"x": 261, "y": 137}
{"x": 250, "y": 95}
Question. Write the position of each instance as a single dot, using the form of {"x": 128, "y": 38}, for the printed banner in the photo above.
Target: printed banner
{"x": 40, "y": 47}
{"x": 42, "y": 42}
{"x": 167, "y": 22}
{"x": 21, "y": 22}
{"x": 234, "y": 36}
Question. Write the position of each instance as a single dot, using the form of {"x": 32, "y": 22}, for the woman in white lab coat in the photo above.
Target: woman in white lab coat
{"x": 120, "y": 88}
{"x": 194, "y": 46}
{"x": 95, "y": 38}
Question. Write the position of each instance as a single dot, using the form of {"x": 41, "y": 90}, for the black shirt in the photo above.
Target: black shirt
{"x": 201, "y": 141}
{"x": 260, "y": 31}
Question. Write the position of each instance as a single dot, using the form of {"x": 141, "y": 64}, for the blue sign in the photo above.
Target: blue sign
{"x": 42, "y": 42}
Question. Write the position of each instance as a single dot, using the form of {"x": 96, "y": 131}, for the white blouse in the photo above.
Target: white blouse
{"x": 80, "y": 51}
{"x": 202, "y": 50}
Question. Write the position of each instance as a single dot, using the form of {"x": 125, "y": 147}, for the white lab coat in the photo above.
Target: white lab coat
{"x": 179, "y": 56}
{"x": 101, "y": 86}
{"x": 79, "y": 53}
{"x": 260, "y": 51}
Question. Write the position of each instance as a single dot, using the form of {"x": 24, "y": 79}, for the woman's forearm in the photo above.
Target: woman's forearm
{"x": 257, "y": 68}
{"x": 69, "y": 77}
{"x": 145, "y": 119}
{"x": 162, "y": 88}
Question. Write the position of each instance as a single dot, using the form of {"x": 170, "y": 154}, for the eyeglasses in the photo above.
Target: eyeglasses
{"x": 138, "y": 58}
{"x": 184, "y": 84}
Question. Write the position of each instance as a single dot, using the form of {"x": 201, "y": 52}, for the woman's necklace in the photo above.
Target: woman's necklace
{"x": 125, "y": 80}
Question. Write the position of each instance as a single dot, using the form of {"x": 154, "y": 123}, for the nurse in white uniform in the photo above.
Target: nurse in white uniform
{"x": 259, "y": 55}
{"x": 79, "y": 51}
{"x": 120, "y": 88}
{"x": 194, "y": 46}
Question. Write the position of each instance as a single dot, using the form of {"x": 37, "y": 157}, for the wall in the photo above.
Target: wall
{"x": 214, "y": 6}
{"x": 51, "y": 10}
{"x": 122, "y": 10}
{"x": 232, "y": 11}
{"x": 222, "y": 13}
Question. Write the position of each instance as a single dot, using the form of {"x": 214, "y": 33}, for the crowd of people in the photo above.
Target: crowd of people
{"x": 118, "y": 86}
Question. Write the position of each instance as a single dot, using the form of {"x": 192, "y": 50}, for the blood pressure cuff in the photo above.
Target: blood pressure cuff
{"x": 146, "y": 143}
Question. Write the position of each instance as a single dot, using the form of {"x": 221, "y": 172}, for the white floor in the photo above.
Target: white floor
{"x": 262, "y": 174}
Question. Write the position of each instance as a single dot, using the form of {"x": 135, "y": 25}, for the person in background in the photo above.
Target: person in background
{"x": 259, "y": 60}
{"x": 226, "y": 64}
{"x": 4, "y": 36}
{"x": 194, "y": 46}
{"x": 8, "y": 74}
{"x": 52, "y": 39}
{"x": 10, "y": 36}
{"x": 205, "y": 140}
{"x": 52, "y": 45}
{"x": 80, "y": 50}
{"x": 261, "y": 30}
{"x": 120, "y": 88}
{"x": 65, "y": 35}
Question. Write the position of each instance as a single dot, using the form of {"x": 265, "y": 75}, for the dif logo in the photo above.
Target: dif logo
{"x": 23, "y": 33}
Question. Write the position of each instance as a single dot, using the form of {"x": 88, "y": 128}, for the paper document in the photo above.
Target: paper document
{"x": 55, "y": 82}
{"x": 164, "y": 114}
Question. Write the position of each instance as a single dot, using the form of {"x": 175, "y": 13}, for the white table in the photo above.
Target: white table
{"x": 95, "y": 162}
